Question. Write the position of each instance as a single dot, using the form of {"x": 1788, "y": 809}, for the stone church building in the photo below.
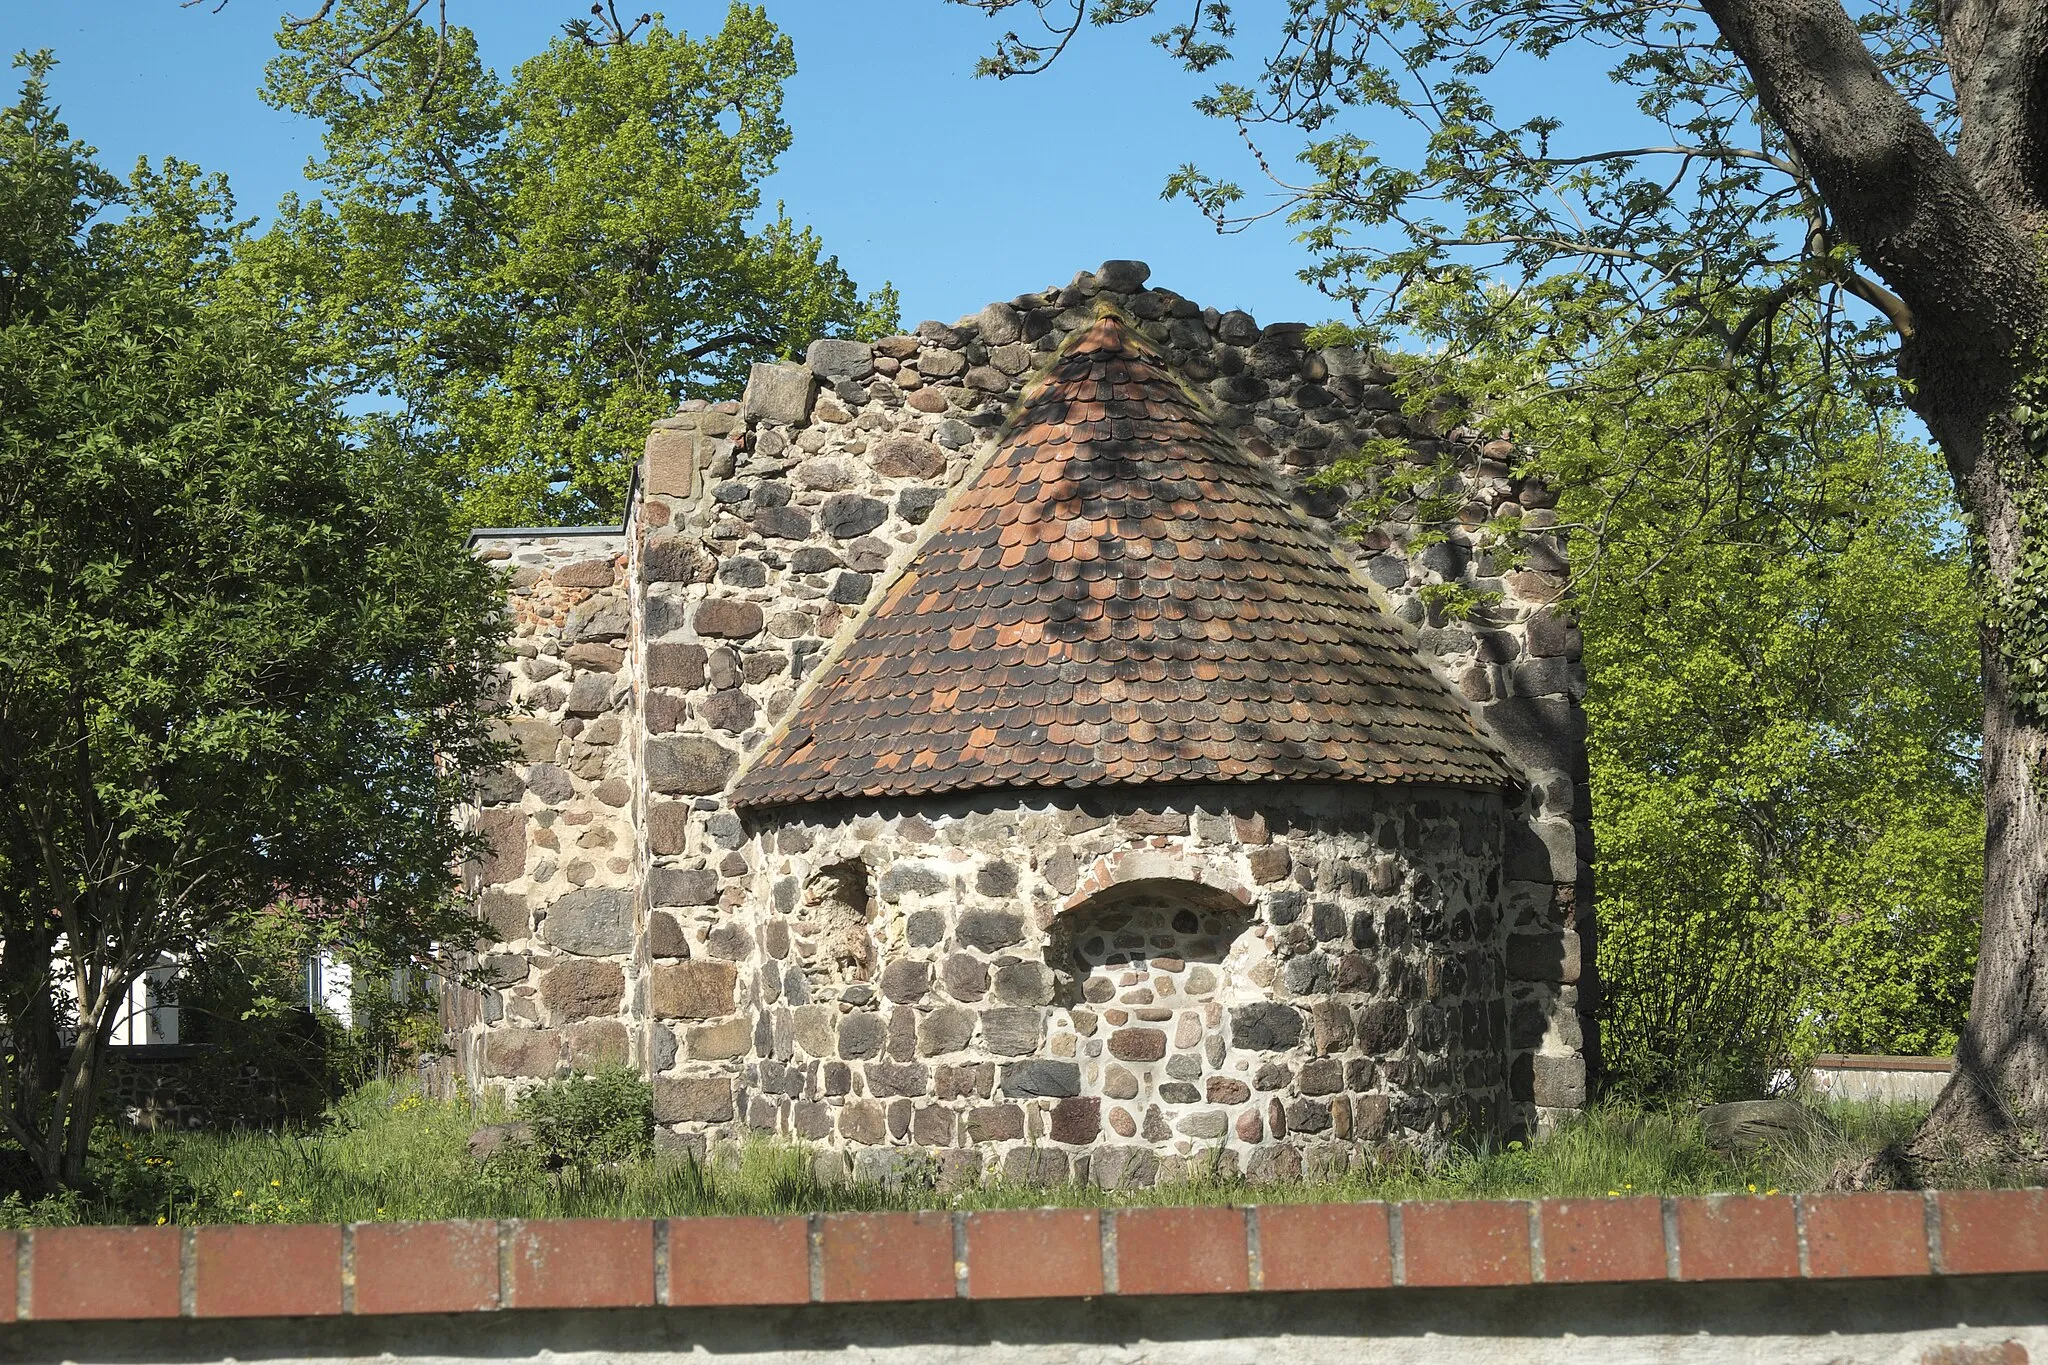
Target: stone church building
{"x": 989, "y": 748}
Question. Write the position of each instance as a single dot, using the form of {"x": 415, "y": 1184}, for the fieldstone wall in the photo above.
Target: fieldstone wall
{"x": 762, "y": 529}
{"x": 1118, "y": 988}
{"x": 159, "y": 1087}
{"x": 1517, "y": 660}
{"x": 558, "y": 893}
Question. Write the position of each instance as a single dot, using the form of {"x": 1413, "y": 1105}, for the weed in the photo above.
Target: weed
{"x": 386, "y": 1152}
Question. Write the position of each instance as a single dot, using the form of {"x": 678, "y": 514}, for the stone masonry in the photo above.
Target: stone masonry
{"x": 1131, "y": 984}
{"x": 1112, "y": 984}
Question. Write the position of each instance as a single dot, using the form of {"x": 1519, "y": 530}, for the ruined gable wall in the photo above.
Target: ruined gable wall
{"x": 558, "y": 893}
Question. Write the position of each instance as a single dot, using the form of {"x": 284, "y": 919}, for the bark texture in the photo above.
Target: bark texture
{"x": 1951, "y": 232}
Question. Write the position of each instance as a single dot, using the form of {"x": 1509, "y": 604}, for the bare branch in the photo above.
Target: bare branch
{"x": 609, "y": 30}
{"x": 1631, "y": 153}
{"x": 725, "y": 341}
{"x": 1016, "y": 57}
{"x": 1882, "y": 299}
{"x": 350, "y": 61}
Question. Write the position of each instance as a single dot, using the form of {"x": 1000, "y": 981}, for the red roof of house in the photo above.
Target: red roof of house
{"x": 1120, "y": 594}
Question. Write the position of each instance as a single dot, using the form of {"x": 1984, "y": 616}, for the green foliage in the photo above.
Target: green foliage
{"x": 1785, "y": 785}
{"x": 590, "y": 1121}
{"x": 1781, "y": 638}
{"x": 241, "y": 994}
{"x": 132, "y": 1178}
{"x": 1455, "y": 601}
{"x": 238, "y": 652}
{"x": 394, "y": 1017}
{"x": 523, "y": 273}
{"x": 1781, "y": 641}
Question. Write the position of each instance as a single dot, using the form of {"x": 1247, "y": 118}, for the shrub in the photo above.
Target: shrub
{"x": 590, "y": 1121}
{"x": 266, "y": 1057}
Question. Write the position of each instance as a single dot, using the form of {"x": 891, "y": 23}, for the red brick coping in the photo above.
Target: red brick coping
{"x": 483, "y": 1266}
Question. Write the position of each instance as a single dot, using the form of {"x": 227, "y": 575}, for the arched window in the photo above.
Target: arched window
{"x": 1153, "y": 944}
{"x": 1158, "y": 961}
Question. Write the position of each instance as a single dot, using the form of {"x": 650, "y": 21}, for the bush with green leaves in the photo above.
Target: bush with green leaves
{"x": 265, "y": 1055}
{"x": 584, "y": 1122}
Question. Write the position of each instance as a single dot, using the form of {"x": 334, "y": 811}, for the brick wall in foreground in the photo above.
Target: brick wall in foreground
{"x": 376, "y": 1269}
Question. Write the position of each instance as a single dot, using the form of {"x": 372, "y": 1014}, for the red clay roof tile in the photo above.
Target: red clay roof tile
{"x": 1120, "y": 594}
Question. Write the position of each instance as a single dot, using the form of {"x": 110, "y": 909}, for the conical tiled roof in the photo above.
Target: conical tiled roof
{"x": 1119, "y": 595}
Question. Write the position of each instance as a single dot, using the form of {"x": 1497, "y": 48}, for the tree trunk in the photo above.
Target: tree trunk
{"x": 60, "y": 1153}
{"x": 1953, "y": 236}
{"x": 79, "y": 1098}
{"x": 2000, "y": 1085}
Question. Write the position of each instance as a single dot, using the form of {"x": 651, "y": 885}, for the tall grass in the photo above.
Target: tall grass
{"x": 387, "y": 1153}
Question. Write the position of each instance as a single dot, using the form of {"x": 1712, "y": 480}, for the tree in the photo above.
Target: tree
{"x": 1887, "y": 168}
{"x": 1784, "y": 730}
{"x": 1779, "y": 641}
{"x": 241, "y": 996}
{"x": 524, "y": 274}
{"x": 239, "y": 654}
{"x": 1784, "y": 784}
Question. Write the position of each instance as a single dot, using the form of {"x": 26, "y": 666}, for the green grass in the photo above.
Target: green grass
{"x": 388, "y": 1154}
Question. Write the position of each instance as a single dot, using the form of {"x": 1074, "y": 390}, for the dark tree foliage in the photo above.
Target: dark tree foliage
{"x": 240, "y": 655}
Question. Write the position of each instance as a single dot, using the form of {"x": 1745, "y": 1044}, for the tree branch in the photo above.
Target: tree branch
{"x": 1705, "y": 153}
{"x": 1014, "y": 56}
{"x": 360, "y": 50}
{"x": 1997, "y": 54}
{"x": 1957, "y": 265}
{"x": 1882, "y": 299}
{"x": 720, "y": 343}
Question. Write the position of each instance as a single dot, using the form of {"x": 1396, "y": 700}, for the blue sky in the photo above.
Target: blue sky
{"x": 958, "y": 190}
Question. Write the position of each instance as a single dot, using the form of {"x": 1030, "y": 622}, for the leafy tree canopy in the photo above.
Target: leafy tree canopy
{"x": 1780, "y": 637}
{"x": 520, "y": 274}
{"x": 1710, "y": 223}
{"x": 1784, "y": 727}
{"x": 240, "y": 654}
